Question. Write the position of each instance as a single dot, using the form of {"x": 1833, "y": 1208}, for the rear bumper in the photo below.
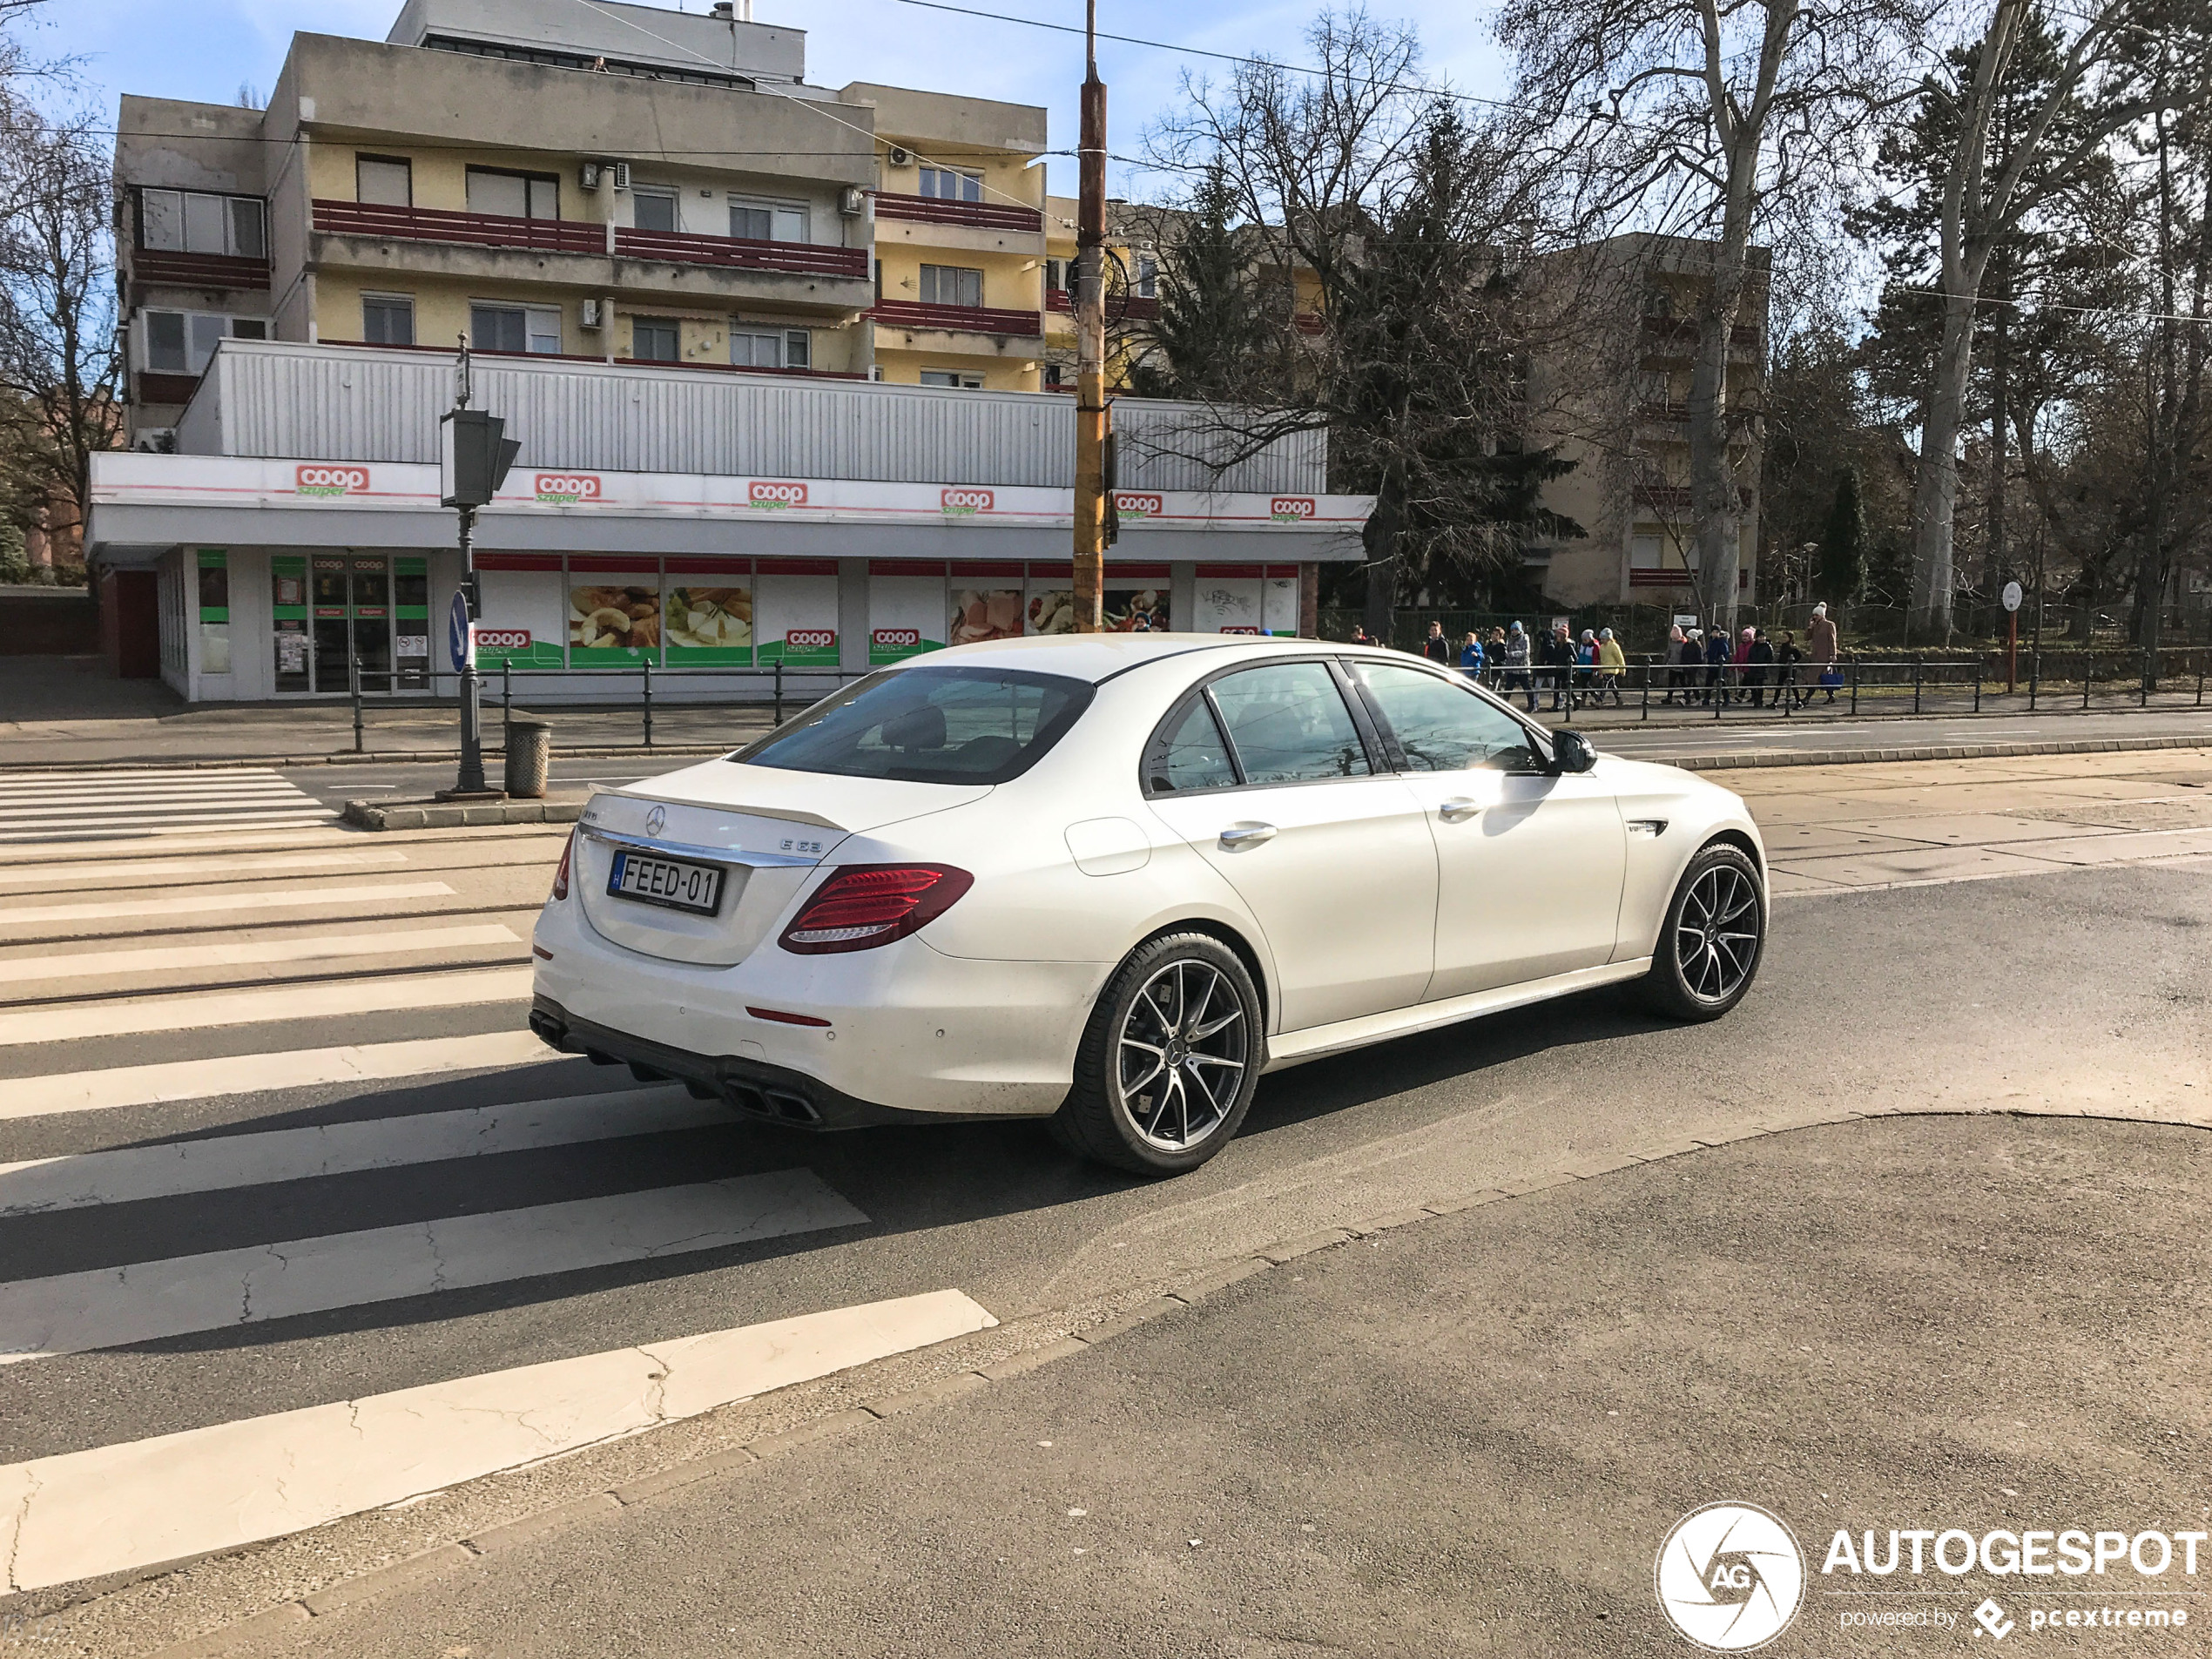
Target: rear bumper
{"x": 754, "y": 1087}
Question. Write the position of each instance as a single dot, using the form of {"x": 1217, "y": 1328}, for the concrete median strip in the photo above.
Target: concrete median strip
{"x": 84, "y": 1514}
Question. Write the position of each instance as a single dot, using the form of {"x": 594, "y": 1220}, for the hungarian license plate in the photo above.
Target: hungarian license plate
{"x": 696, "y": 887}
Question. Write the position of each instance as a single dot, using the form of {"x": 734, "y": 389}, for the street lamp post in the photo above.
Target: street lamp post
{"x": 474, "y": 455}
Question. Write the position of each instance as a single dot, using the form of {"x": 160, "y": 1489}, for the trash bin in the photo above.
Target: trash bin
{"x": 530, "y": 756}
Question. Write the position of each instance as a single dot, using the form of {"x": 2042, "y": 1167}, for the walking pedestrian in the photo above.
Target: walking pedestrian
{"x": 1758, "y": 662}
{"x": 1559, "y": 657}
{"x": 1514, "y": 657}
{"x": 1821, "y": 650}
{"x": 1716, "y": 666}
{"x": 1740, "y": 659}
{"x": 1435, "y": 647}
{"x": 1471, "y": 656}
{"x": 1788, "y": 656}
{"x": 1611, "y": 659}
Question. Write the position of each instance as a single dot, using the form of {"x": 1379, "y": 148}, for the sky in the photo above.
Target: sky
{"x": 207, "y": 49}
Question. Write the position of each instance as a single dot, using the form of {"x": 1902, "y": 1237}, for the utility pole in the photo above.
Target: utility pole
{"x": 1093, "y": 419}
{"x": 473, "y": 455}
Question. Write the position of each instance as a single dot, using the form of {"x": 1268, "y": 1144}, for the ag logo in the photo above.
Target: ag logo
{"x": 1730, "y": 1577}
{"x": 657, "y": 820}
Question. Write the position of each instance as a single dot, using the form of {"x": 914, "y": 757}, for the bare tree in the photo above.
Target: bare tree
{"x": 59, "y": 361}
{"x": 1717, "y": 120}
{"x": 2122, "y": 62}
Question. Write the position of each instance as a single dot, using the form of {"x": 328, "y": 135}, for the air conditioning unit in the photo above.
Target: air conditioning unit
{"x": 854, "y": 202}
{"x": 589, "y": 317}
{"x": 622, "y": 175}
{"x": 587, "y": 176}
{"x": 899, "y": 157}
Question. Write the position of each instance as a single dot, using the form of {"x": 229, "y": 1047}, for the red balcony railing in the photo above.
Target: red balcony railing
{"x": 593, "y": 357}
{"x": 800, "y": 258}
{"x": 198, "y": 270}
{"x": 166, "y": 388}
{"x": 478, "y": 230}
{"x": 968, "y": 319}
{"x": 1685, "y": 329}
{"x": 1677, "y": 497}
{"x": 989, "y": 216}
{"x": 1135, "y": 307}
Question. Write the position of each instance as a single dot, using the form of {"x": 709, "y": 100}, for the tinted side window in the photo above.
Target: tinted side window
{"x": 1189, "y": 754}
{"x": 1442, "y": 728}
{"x": 1289, "y": 725}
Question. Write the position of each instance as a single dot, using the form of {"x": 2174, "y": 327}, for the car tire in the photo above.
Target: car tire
{"x": 1714, "y": 937}
{"x": 1187, "y": 1001}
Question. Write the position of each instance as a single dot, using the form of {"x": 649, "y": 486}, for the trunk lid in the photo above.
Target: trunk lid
{"x": 767, "y": 829}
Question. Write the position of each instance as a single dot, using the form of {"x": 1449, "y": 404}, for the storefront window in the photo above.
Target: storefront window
{"x": 288, "y": 619}
{"x": 214, "y": 611}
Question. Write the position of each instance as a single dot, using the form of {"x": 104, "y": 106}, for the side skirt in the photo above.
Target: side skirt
{"x": 1294, "y": 1048}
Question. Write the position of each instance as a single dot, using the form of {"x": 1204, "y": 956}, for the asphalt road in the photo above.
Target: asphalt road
{"x": 2082, "y": 987}
{"x": 1471, "y": 1435}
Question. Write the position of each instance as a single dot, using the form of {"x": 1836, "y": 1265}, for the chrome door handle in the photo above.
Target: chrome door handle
{"x": 1247, "y": 835}
{"x": 1453, "y": 810}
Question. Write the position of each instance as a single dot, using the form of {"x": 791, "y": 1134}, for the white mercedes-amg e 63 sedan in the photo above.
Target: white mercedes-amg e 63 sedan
{"x": 1110, "y": 880}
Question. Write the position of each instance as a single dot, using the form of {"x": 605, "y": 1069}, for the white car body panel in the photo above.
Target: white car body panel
{"x": 1365, "y": 916}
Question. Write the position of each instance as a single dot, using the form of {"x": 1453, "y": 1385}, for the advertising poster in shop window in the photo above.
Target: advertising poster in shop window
{"x": 797, "y": 620}
{"x": 522, "y": 620}
{"x": 614, "y": 621}
{"x": 905, "y": 616}
{"x": 709, "y": 618}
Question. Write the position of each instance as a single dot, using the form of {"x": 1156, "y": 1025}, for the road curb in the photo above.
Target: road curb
{"x": 1180, "y": 1295}
{"x": 372, "y": 815}
{"x": 1926, "y": 752}
{"x": 372, "y": 757}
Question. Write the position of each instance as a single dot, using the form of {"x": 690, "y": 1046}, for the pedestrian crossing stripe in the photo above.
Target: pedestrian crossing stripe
{"x": 73, "y": 808}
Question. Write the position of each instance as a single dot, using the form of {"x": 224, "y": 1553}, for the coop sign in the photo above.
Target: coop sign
{"x": 567, "y": 489}
{"x": 1291, "y": 509}
{"x": 961, "y": 502}
{"x": 1131, "y": 503}
{"x": 318, "y": 480}
{"x": 775, "y": 497}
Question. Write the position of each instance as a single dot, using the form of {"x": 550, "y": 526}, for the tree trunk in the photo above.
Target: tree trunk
{"x": 1380, "y": 536}
{"x": 1935, "y": 495}
{"x": 1714, "y": 502}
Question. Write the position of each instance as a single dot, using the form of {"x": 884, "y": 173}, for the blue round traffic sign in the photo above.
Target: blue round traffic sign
{"x": 458, "y": 642}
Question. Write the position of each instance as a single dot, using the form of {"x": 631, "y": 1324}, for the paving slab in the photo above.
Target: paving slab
{"x": 1929, "y": 864}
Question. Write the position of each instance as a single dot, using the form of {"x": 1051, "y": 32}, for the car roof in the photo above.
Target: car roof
{"x": 1099, "y": 656}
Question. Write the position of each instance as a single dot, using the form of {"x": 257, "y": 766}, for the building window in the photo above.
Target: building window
{"x": 1643, "y": 553}
{"x": 180, "y": 342}
{"x": 191, "y": 221}
{"x": 1056, "y": 275}
{"x": 388, "y": 318}
{"x": 1148, "y": 277}
{"x": 652, "y": 208}
{"x": 951, "y": 285}
{"x": 515, "y": 328}
{"x": 945, "y": 183}
{"x": 514, "y": 195}
{"x": 1052, "y": 380}
{"x": 952, "y": 377}
{"x": 761, "y": 348}
{"x": 384, "y": 181}
{"x": 653, "y": 339}
{"x": 767, "y": 221}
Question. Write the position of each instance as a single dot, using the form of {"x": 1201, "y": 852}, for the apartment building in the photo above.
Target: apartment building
{"x": 618, "y": 183}
{"x": 1610, "y": 386}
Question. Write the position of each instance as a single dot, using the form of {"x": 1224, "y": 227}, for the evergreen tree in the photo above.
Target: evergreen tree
{"x": 1843, "y": 542}
{"x": 1212, "y": 335}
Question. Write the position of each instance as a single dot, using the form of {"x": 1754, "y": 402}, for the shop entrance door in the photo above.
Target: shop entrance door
{"x": 354, "y": 617}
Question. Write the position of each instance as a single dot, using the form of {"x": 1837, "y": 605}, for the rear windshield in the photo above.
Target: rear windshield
{"x": 929, "y": 726}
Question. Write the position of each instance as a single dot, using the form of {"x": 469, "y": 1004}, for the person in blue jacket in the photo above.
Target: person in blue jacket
{"x": 1471, "y": 657}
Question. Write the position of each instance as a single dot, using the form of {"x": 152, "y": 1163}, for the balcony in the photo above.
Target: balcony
{"x": 796, "y": 259}
{"x": 586, "y": 357}
{"x": 967, "y": 320}
{"x": 1134, "y": 307}
{"x": 472, "y": 229}
{"x": 982, "y": 216}
{"x": 1685, "y": 330}
{"x": 582, "y": 237}
{"x": 1677, "y": 497}
{"x": 177, "y": 270}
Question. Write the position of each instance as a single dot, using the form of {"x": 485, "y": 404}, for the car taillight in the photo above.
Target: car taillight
{"x": 561, "y": 872}
{"x": 866, "y": 905}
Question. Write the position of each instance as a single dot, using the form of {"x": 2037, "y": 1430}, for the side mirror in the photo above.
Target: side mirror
{"x": 1571, "y": 751}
